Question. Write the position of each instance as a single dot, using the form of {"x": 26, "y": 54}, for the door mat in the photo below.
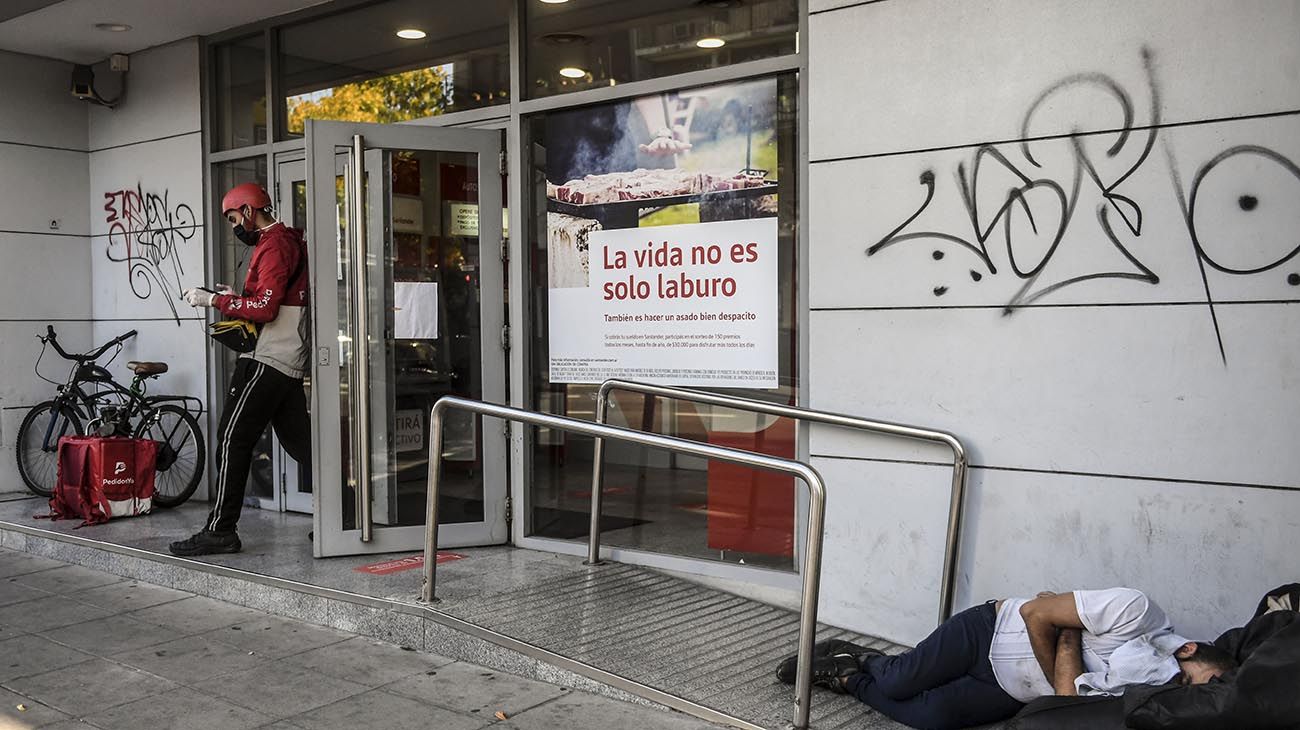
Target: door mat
{"x": 567, "y": 524}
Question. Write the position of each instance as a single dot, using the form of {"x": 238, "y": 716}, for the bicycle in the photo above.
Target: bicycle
{"x": 110, "y": 410}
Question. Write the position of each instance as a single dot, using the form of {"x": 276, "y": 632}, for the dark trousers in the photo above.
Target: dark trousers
{"x": 945, "y": 682}
{"x": 259, "y": 395}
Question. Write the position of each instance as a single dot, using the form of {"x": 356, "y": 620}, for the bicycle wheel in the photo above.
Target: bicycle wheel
{"x": 181, "y": 453}
{"x": 37, "y": 449}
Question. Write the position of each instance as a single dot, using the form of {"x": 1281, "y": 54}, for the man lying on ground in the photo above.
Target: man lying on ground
{"x": 984, "y": 663}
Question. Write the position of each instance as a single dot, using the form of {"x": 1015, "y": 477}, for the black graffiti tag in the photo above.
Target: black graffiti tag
{"x": 144, "y": 233}
{"x": 1049, "y": 202}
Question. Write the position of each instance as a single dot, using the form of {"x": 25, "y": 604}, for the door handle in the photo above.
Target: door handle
{"x": 361, "y": 348}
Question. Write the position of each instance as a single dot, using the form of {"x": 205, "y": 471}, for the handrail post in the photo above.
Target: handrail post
{"x": 812, "y": 576}
{"x": 597, "y": 480}
{"x": 956, "y": 507}
{"x": 428, "y": 588}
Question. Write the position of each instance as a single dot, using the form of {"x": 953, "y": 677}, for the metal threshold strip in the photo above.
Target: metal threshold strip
{"x": 548, "y": 656}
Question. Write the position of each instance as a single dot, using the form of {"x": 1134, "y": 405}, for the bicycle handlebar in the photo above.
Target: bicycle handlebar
{"x": 53, "y": 338}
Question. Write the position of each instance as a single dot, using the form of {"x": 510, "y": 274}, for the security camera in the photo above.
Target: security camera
{"x": 83, "y": 82}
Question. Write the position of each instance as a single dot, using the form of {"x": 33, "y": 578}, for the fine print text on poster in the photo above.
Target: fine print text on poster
{"x": 662, "y": 239}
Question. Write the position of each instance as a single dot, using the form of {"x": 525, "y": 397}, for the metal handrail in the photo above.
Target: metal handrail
{"x": 816, "y": 506}
{"x": 956, "y": 500}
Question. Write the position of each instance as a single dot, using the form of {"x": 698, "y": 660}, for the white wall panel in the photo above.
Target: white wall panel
{"x": 47, "y": 277}
{"x": 21, "y": 388}
{"x": 19, "y": 350}
{"x": 44, "y": 270}
{"x": 883, "y": 559}
{"x": 38, "y": 107}
{"x": 1239, "y": 181}
{"x": 1112, "y": 390}
{"x": 1206, "y": 553}
{"x": 39, "y": 185}
{"x": 1139, "y": 385}
{"x": 162, "y": 98}
{"x": 148, "y": 234}
{"x": 919, "y": 74}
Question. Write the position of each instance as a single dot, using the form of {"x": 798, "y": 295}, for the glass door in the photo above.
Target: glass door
{"x": 407, "y": 307}
{"x": 291, "y": 481}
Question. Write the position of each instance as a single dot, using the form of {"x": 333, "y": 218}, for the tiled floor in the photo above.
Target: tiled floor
{"x": 82, "y": 649}
{"x": 659, "y": 631}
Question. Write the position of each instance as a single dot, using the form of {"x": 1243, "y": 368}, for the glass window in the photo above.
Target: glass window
{"x": 726, "y": 166}
{"x": 580, "y": 45}
{"x": 354, "y": 66}
{"x": 240, "y": 79}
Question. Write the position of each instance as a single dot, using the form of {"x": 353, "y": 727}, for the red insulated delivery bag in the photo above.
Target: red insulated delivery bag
{"x": 104, "y": 477}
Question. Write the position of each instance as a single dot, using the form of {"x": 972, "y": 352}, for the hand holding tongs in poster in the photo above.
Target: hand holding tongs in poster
{"x": 669, "y": 140}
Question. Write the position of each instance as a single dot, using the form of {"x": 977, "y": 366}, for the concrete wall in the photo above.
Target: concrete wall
{"x": 101, "y": 225}
{"x": 146, "y": 218}
{"x": 44, "y": 235}
{"x": 1065, "y": 232}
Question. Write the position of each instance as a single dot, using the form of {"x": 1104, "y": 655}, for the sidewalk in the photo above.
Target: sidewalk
{"x": 82, "y": 649}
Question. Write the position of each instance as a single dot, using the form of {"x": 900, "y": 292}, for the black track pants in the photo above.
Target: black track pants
{"x": 259, "y": 395}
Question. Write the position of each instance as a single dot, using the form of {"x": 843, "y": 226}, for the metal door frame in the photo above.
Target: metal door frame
{"x": 326, "y": 141}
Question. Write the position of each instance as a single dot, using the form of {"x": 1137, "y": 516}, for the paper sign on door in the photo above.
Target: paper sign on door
{"x": 416, "y": 315}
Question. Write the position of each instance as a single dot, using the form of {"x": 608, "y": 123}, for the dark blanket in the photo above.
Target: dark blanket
{"x": 1263, "y": 693}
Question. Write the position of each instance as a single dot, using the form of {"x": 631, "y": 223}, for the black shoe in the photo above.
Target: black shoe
{"x": 822, "y": 650}
{"x": 831, "y": 647}
{"x": 207, "y": 543}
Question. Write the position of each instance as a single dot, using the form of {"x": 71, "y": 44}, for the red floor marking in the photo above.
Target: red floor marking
{"x": 408, "y": 563}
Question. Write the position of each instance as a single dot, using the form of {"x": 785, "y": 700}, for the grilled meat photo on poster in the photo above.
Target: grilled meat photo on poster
{"x": 656, "y": 160}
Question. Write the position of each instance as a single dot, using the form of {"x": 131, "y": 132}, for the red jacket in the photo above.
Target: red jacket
{"x": 273, "y": 301}
{"x": 275, "y": 258}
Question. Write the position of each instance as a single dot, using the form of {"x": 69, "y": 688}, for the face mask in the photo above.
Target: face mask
{"x": 249, "y": 238}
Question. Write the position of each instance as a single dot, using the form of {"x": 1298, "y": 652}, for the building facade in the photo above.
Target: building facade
{"x": 1064, "y": 232}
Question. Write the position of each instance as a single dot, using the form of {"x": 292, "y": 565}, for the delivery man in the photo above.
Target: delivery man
{"x": 266, "y": 387}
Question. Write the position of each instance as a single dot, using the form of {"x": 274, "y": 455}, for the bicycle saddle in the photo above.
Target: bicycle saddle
{"x": 147, "y": 368}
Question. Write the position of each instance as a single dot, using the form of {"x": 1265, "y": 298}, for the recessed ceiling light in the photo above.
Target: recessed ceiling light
{"x": 411, "y": 34}
{"x": 710, "y": 43}
{"x": 565, "y": 39}
{"x": 572, "y": 72}
{"x": 113, "y": 27}
{"x": 554, "y": 2}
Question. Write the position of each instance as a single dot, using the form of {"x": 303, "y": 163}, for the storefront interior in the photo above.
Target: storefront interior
{"x": 721, "y": 76}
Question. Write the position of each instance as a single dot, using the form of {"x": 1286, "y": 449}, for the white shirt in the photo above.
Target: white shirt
{"x": 1111, "y": 618}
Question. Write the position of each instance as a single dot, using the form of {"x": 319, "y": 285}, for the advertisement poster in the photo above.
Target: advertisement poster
{"x": 662, "y": 239}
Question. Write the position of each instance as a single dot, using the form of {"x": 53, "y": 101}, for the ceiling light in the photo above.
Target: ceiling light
{"x": 411, "y": 34}
{"x": 565, "y": 39}
{"x": 113, "y": 27}
{"x": 554, "y": 2}
{"x": 572, "y": 72}
{"x": 710, "y": 43}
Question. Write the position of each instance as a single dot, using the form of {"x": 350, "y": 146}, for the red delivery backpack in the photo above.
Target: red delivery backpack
{"x": 104, "y": 477}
